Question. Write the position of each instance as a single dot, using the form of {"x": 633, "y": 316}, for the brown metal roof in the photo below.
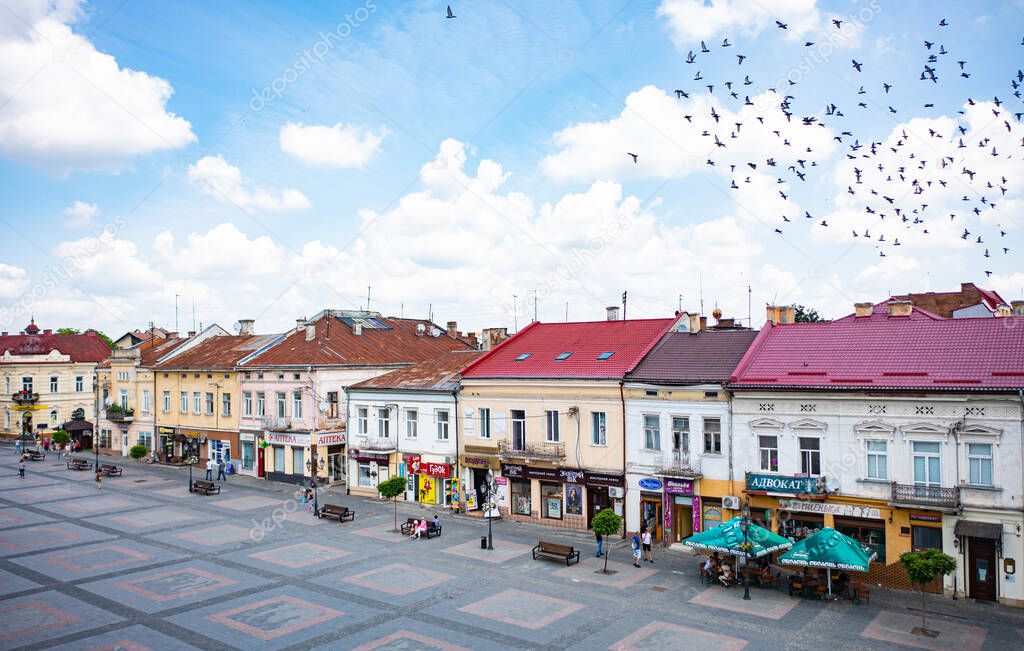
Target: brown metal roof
{"x": 439, "y": 374}
{"x": 223, "y": 352}
{"x": 683, "y": 357}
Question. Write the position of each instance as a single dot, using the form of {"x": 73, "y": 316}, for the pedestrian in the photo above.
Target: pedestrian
{"x": 220, "y": 471}
{"x": 645, "y": 539}
{"x": 209, "y": 469}
{"x": 21, "y": 467}
{"x": 17, "y": 447}
{"x": 46, "y": 445}
{"x": 635, "y": 544}
{"x": 99, "y": 479}
{"x": 600, "y": 544}
{"x": 437, "y": 522}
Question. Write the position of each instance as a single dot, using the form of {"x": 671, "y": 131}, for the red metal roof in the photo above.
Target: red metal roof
{"x": 86, "y": 347}
{"x": 438, "y": 374}
{"x": 628, "y": 341}
{"x": 917, "y": 352}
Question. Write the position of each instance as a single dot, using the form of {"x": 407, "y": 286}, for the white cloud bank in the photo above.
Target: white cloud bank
{"x": 221, "y": 180}
{"x": 340, "y": 145}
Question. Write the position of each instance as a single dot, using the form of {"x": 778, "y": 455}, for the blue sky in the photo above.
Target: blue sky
{"x": 207, "y": 194}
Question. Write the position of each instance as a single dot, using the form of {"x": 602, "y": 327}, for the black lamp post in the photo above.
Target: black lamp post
{"x": 96, "y": 449}
{"x": 745, "y": 527}
{"x": 315, "y": 462}
{"x": 191, "y": 460}
{"x": 489, "y": 507}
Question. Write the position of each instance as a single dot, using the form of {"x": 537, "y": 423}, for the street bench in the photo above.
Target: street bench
{"x": 554, "y": 550}
{"x": 110, "y": 470}
{"x": 432, "y": 529}
{"x": 79, "y": 464}
{"x": 35, "y": 455}
{"x": 205, "y": 487}
{"x": 343, "y": 513}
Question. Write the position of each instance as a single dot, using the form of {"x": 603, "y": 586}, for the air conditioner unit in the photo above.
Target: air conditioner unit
{"x": 731, "y": 502}
{"x": 616, "y": 492}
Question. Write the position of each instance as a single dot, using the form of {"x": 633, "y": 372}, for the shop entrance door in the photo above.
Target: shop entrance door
{"x": 682, "y": 522}
{"x": 336, "y": 467}
{"x": 598, "y": 500}
{"x": 981, "y": 559}
{"x": 652, "y": 514}
{"x": 260, "y": 453}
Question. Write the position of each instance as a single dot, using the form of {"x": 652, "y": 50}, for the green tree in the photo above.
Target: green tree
{"x": 60, "y": 437}
{"x": 804, "y": 314}
{"x": 99, "y": 333}
{"x": 138, "y": 451}
{"x": 390, "y": 489}
{"x": 923, "y": 567}
{"x": 606, "y": 523}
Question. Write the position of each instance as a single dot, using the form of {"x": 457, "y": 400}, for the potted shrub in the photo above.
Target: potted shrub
{"x": 138, "y": 451}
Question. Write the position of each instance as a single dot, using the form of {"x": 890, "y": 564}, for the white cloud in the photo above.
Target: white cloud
{"x": 338, "y": 146}
{"x": 13, "y": 281}
{"x": 71, "y": 106}
{"x": 90, "y": 262}
{"x": 221, "y": 180}
{"x": 693, "y": 20}
{"x": 80, "y": 214}
{"x": 223, "y": 251}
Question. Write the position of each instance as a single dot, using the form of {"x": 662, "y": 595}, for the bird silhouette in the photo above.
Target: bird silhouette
{"x": 633, "y": 156}
{"x": 450, "y": 14}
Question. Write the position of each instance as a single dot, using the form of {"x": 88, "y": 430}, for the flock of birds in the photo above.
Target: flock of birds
{"x": 895, "y": 181}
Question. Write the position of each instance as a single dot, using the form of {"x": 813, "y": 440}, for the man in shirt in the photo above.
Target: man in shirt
{"x": 209, "y": 470}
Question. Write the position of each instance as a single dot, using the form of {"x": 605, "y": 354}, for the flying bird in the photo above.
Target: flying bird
{"x": 450, "y": 14}
{"x": 633, "y": 156}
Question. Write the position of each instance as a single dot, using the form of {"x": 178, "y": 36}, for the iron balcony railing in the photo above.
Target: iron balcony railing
{"x": 521, "y": 449}
{"x": 375, "y": 443}
{"x": 680, "y": 465}
{"x": 120, "y": 415}
{"x": 23, "y": 397}
{"x": 937, "y": 496}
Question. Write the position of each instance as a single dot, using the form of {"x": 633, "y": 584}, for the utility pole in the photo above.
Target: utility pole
{"x": 515, "y": 312}
{"x": 368, "y": 298}
{"x": 750, "y": 315}
{"x": 535, "y": 305}
{"x": 624, "y": 295}
{"x": 176, "y": 297}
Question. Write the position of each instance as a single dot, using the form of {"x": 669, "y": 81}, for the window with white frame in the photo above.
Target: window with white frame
{"x": 282, "y": 404}
{"x": 681, "y": 434}
{"x": 485, "y": 423}
{"x": 712, "y": 436}
{"x": 197, "y": 402}
{"x": 122, "y": 376}
{"x": 261, "y": 403}
{"x": 225, "y": 404}
{"x": 411, "y": 423}
{"x": 167, "y": 402}
{"x": 769, "y": 448}
{"x": 79, "y": 383}
{"x": 810, "y": 456}
{"x": 209, "y": 403}
{"x": 384, "y": 423}
{"x": 979, "y": 464}
{"x": 124, "y": 399}
{"x": 551, "y": 425}
{"x": 146, "y": 438}
{"x": 297, "y": 404}
{"x": 599, "y": 428}
{"x": 54, "y": 383}
{"x": 7, "y": 419}
{"x": 26, "y": 384}
{"x": 332, "y": 404}
{"x": 442, "y": 424}
{"x": 146, "y": 404}
{"x": 7, "y": 384}
{"x": 518, "y": 417}
{"x": 54, "y": 418}
{"x": 927, "y": 463}
{"x": 877, "y": 453}
{"x": 183, "y": 402}
{"x": 363, "y": 420}
{"x": 652, "y": 432}
{"x": 247, "y": 403}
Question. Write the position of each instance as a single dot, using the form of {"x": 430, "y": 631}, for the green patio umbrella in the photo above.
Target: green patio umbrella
{"x": 727, "y": 538}
{"x": 831, "y": 550}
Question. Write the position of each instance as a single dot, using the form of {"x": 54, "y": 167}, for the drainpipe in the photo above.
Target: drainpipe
{"x": 729, "y": 395}
{"x": 625, "y": 484}
{"x": 458, "y": 467}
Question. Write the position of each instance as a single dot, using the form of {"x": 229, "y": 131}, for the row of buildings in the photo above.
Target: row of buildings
{"x": 898, "y": 425}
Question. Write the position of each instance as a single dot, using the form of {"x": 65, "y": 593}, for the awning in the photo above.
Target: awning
{"x": 990, "y": 530}
{"x": 77, "y": 425}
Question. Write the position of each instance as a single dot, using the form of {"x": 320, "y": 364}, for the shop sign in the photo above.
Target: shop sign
{"x": 925, "y": 517}
{"x": 165, "y": 430}
{"x": 603, "y": 479}
{"x": 542, "y": 473}
{"x": 191, "y": 433}
{"x": 513, "y": 471}
{"x": 782, "y": 484}
{"x": 287, "y": 438}
{"x": 697, "y": 514}
{"x": 360, "y": 455}
{"x": 332, "y": 438}
{"x": 413, "y": 461}
{"x": 849, "y": 510}
{"x": 650, "y": 484}
{"x": 479, "y": 462}
{"x": 678, "y": 486}
{"x": 571, "y": 475}
{"x": 442, "y": 470}
{"x": 246, "y": 436}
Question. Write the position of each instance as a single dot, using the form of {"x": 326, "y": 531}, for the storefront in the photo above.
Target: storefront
{"x": 604, "y": 491}
{"x": 665, "y": 506}
{"x": 367, "y": 468}
{"x": 247, "y": 461}
{"x": 330, "y": 445}
{"x": 474, "y": 479}
{"x": 285, "y": 456}
{"x": 563, "y": 497}
{"x": 428, "y": 482}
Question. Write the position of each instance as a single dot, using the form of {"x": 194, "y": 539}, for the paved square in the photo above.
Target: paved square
{"x": 11, "y": 583}
{"x": 249, "y": 503}
{"x": 35, "y": 618}
{"x": 503, "y": 551}
{"x": 523, "y": 609}
{"x": 588, "y": 570}
{"x": 132, "y": 638}
{"x": 406, "y": 634}
{"x": 151, "y": 519}
{"x": 770, "y": 604}
{"x": 93, "y": 504}
{"x": 301, "y": 555}
{"x": 95, "y": 560}
{"x": 48, "y": 493}
{"x": 382, "y": 533}
{"x": 399, "y": 579}
{"x": 672, "y": 637}
{"x": 211, "y": 537}
{"x": 895, "y": 628}
{"x": 46, "y": 536}
{"x": 15, "y": 517}
{"x": 408, "y": 640}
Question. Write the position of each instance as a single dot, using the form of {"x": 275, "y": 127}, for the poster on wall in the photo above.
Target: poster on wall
{"x": 573, "y": 500}
{"x": 427, "y": 489}
{"x": 471, "y": 499}
{"x": 554, "y": 507}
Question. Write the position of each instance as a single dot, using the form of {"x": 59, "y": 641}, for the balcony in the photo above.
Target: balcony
{"x": 25, "y": 397}
{"x": 118, "y": 414}
{"x": 375, "y": 443}
{"x": 681, "y": 465}
{"x": 938, "y": 497}
{"x": 521, "y": 450}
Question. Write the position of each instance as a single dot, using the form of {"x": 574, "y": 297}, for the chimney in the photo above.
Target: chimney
{"x": 47, "y": 332}
{"x": 191, "y": 333}
{"x": 862, "y": 309}
{"x": 246, "y": 326}
{"x": 310, "y": 332}
{"x": 900, "y": 308}
{"x": 612, "y": 313}
{"x": 1017, "y": 308}
{"x": 471, "y": 336}
{"x": 300, "y": 323}
{"x": 453, "y": 329}
{"x": 695, "y": 323}
{"x": 725, "y": 324}
{"x": 493, "y": 336}
{"x": 780, "y": 314}
{"x": 357, "y": 330}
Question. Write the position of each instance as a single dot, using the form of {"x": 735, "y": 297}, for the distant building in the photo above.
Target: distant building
{"x": 970, "y": 301}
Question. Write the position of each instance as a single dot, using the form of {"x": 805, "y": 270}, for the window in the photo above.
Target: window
{"x": 261, "y": 403}
{"x": 711, "y": 395}
{"x": 551, "y": 420}
{"x": 523, "y": 356}
{"x": 209, "y": 403}
{"x": 652, "y": 432}
{"x": 979, "y": 462}
{"x": 485, "y": 423}
{"x": 225, "y": 404}
{"x": 922, "y": 538}
{"x": 363, "y": 418}
{"x": 146, "y": 405}
{"x": 297, "y": 404}
{"x": 411, "y": 423}
{"x": 124, "y": 399}
{"x": 247, "y": 403}
{"x": 281, "y": 406}
{"x": 122, "y": 376}
{"x": 927, "y": 464}
{"x": 26, "y": 384}
{"x": 878, "y": 459}
{"x": 167, "y": 402}
{"x": 712, "y": 436}
{"x": 563, "y": 356}
{"x": 366, "y": 476}
{"x": 605, "y": 355}
{"x": 54, "y": 418}
{"x": 197, "y": 402}
{"x": 7, "y": 384}
{"x": 183, "y": 402}
{"x": 295, "y": 376}
{"x": 53, "y": 384}
{"x": 521, "y": 493}
{"x": 599, "y": 428}
{"x": 681, "y": 433}
{"x": 442, "y": 424}
{"x": 104, "y": 438}
{"x": 146, "y": 438}
{"x": 651, "y": 393}
{"x": 769, "y": 447}
{"x": 7, "y": 419}
{"x": 384, "y": 423}
{"x": 332, "y": 404}
{"x": 279, "y": 458}
{"x": 810, "y": 456}
{"x": 518, "y": 429}
{"x": 551, "y": 501}
{"x": 298, "y": 464}
{"x": 106, "y": 394}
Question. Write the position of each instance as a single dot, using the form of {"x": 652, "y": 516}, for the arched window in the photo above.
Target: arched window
{"x": 53, "y": 419}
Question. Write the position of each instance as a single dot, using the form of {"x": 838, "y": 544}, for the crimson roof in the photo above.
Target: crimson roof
{"x": 439, "y": 374}
{"x": 708, "y": 356}
{"x": 887, "y": 352}
{"x": 629, "y": 341}
{"x": 86, "y": 347}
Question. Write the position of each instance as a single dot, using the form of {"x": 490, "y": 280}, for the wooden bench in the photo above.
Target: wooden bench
{"x": 343, "y": 513}
{"x": 79, "y": 464}
{"x": 406, "y": 526}
{"x": 110, "y": 470}
{"x": 205, "y": 487}
{"x": 35, "y": 455}
{"x": 554, "y": 550}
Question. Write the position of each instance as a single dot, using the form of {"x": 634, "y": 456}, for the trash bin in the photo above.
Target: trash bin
{"x": 483, "y": 542}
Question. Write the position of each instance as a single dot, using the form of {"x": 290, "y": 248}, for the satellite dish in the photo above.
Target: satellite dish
{"x": 420, "y": 328}
{"x": 435, "y": 332}
{"x": 323, "y": 406}
{"x": 832, "y": 484}
{"x": 238, "y": 326}
{"x": 109, "y": 401}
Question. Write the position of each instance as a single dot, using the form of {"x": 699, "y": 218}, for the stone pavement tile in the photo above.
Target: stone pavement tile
{"x": 11, "y": 583}
{"x": 132, "y": 638}
{"x": 214, "y": 537}
{"x": 47, "y": 536}
{"x": 177, "y": 585}
{"x": 28, "y": 482}
{"x": 770, "y": 604}
{"x": 99, "y": 501}
{"x": 666, "y": 636}
{"x": 589, "y": 569}
{"x": 48, "y": 493}
{"x": 503, "y": 551}
{"x": 36, "y": 618}
{"x": 15, "y": 517}
{"x": 382, "y": 532}
{"x": 180, "y": 490}
{"x": 273, "y": 618}
{"x": 249, "y": 503}
{"x": 895, "y": 628}
{"x": 94, "y": 560}
{"x": 398, "y": 583}
{"x": 150, "y": 519}
{"x": 292, "y": 558}
{"x": 407, "y": 634}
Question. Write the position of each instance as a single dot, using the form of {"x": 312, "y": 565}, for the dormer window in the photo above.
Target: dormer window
{"x": 563, "y": 356}
{"x": 605, "y": 355}
{"x": 523, "y": 357}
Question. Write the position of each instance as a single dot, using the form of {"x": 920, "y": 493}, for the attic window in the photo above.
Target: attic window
{"x": 563, "y": 356}
{"x": 605, "y": 355}
{"x": 523, "y": 356}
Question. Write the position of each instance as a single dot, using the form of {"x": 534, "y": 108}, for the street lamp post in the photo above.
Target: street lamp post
{"x": 489, "y": 507}
{"x": 191, "y": 460}
{"x": 314, "y": 463}
{"x": 96, "y": 449}
{"x": 745, "y": 526}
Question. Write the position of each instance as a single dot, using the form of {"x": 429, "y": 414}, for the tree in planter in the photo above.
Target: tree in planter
{"x": 138, "y": 451}
{"x": 922, "y": 568}
{"x": 390, "y": 489}
{"x": 606, "y": 523}
{"x": 60, "y": 437}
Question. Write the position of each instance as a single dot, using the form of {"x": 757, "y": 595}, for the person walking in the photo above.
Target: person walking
{"x": 21, "y": 467}
{"x": 209, "y": 469}
{"x": 646, "y": 540}
{"x": 600, "y": 544}
{"x": 99, "y": 479}
{"x": 635, "y": 543}
{"x": 220, "y": 472}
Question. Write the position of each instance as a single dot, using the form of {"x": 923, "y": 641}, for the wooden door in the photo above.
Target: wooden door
{"x": 981, "y": 562}
{"x": 598, "y": 500}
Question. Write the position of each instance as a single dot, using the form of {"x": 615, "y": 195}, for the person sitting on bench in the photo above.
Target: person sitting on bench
{"x": 414, "y": 531}
{"x": 726, "y": 576}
